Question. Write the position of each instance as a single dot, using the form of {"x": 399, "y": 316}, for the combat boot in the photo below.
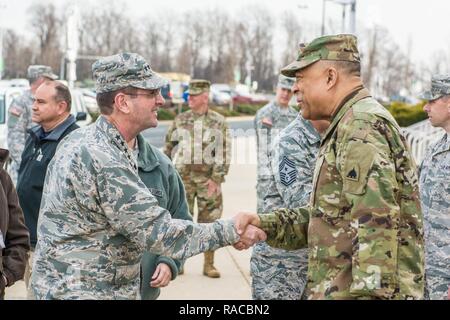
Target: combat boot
{"x": 208, "y": 269}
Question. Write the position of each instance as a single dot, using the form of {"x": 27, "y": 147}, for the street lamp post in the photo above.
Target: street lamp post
{"x": 323, "y": 17}
{"x": 72, "y": 44}
{"x": 2, "y": 6}
{"x": 344, "y": 3}
{"x": 353, "y": 17}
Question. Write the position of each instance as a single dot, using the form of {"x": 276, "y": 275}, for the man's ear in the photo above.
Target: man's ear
{"x": 62, "y": 107}
{"x": 332, "y": 77}
{"x": 122, "y": 103}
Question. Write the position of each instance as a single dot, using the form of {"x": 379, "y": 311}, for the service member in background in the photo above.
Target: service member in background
{"x": 19, "y": 116}
{"x": 199, "y": 143}
{"x": 268, "y": 123}
{"x": 435, "y": 191}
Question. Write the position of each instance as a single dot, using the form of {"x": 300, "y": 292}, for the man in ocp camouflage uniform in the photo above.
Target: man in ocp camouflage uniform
{"x": 435, "y": 192}
{"x": 279, "y": 274}
{"x": 268, "y": 122}
{"x": 97, "y": 217}
{"x": 363, "y": 225}
{"x": 199, "y": 143}
{"x": 19, "y": 116}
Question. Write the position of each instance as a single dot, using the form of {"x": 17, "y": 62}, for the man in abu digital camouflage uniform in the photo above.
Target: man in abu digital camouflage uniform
{"x": 19, "y": 116}
{"x": 435, "y": 192}
{"x": 363, "y": 225}
{"x": 199, "y": 143}
{"x": 279, "y": 274}
{"x": 268, "y": 122}
{"x": 97, "y": 217}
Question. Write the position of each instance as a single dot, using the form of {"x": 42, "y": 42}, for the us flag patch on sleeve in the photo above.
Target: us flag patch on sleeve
{"x": 15, "y": 111}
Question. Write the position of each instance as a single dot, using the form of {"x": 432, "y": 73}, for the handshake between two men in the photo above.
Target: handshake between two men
{"x": 247, "y": 226}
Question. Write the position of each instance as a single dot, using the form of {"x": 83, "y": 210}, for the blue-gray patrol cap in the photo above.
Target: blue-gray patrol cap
{"x": 440, "y": 86}
{"x": 36, "y": 71}
{"x": 125, "y": 70}
{"x": 285, "y": 82}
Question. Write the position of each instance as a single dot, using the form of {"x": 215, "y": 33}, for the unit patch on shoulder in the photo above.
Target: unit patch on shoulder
{"x": 353, "y": 174}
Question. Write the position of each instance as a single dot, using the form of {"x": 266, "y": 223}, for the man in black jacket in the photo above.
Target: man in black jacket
{"x": 14, "y": 237}
{"x": 51, "y": 111}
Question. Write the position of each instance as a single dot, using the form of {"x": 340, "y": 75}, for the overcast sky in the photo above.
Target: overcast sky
{"x": 424, "y": 23}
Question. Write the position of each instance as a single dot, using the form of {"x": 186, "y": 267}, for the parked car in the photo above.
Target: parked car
{"x": 173, "y": 92}
{"x": 220, "y": 94}
{"x": 84, "y": 105}
{"x": 242, "y": 95}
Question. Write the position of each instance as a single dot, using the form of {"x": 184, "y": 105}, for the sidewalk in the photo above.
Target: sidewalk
{"x": 239, "y": 193}
{"x": 234, "y": 266}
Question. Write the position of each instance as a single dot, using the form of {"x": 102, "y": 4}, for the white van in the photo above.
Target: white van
{"x": 82, "y": 104}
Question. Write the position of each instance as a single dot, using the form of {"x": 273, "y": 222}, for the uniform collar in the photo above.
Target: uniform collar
{"x": 198, "y": 116}
{"x": 356, "y": 95}
{"x": 147, "y": 159}
{"x": 56, "y": 133}
{"x": 116, "y": 138}
{"x": 443, "y": 144}
{"x": 311, "y": 133}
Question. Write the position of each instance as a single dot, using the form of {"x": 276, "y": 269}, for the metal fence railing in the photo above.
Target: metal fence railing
{"x": 419, "y": 136}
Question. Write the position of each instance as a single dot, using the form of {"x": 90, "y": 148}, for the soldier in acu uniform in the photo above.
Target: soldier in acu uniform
{"x": 97, "y": 217}
{"x": 199, "y": 143}
{"x": 435, "y": 192}
{"x": 19, "y": 116}
{"x": 363, "y": 225}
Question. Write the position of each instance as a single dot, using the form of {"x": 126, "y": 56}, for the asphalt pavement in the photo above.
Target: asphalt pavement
{"x": 157, "y": 135}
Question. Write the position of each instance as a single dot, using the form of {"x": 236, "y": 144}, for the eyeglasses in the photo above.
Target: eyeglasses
{"x": 151, "y": 94}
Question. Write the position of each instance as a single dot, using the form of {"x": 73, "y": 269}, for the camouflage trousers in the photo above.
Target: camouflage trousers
{"x": 209, "y": 208}
{"x": 13, "y": 171}
{"x": 278, "y": 274}
{"x": 436, "y": 287}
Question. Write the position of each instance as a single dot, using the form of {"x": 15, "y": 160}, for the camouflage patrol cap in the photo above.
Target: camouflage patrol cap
{"x": 198, "y": 86}
{"x": 285, "y": 82}
{"x": 440, "y": 86}
{"x": 37, "y": 71}
{"x": 341, "y": 47}
{"x": 125, "y": 70}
